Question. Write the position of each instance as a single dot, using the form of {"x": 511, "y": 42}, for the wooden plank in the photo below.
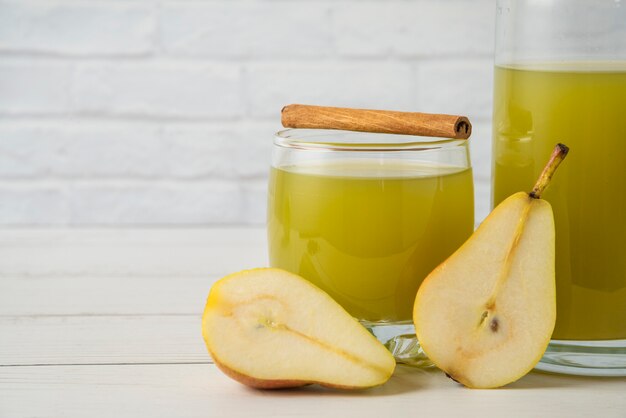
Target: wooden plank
{"x": 103, "y": 295}
{"x": 202, "y": 391}
{"x": 136, "y": 252}
{"x": 118, "y": 301}
{"x": 102, "y": 340}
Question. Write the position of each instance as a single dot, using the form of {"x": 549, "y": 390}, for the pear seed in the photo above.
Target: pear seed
{"x": 494, "y": 324}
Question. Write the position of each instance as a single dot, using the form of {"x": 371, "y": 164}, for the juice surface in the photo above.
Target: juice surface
{"x": 368, "y": 234}
{"x": 534, "y": 108}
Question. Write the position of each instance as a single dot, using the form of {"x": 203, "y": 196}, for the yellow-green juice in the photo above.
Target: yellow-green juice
{"x": 583, "y": 106}
{"x": 368, "y": 233}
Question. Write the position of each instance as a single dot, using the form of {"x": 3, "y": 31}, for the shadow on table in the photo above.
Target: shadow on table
{"x": 538, "y": 379}
{"x": 405, "y": 379}
{"x": 409, "y": 379}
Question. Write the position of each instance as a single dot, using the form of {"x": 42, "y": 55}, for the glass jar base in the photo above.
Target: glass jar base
{"x": 585, "y": 358}
{"x": 400, "y": 340}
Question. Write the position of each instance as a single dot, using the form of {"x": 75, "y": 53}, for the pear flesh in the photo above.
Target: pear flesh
{"x": 268, "y": 328}
{"x": 485, "y": 315}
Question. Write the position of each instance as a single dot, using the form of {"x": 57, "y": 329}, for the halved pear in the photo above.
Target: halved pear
{"x": 486, "y": 314}
{"x": 268, "y": 328}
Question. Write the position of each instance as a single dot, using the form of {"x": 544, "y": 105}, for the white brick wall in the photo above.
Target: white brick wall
{"x": 153, "y": 112}
{"x": 77, "y": 27}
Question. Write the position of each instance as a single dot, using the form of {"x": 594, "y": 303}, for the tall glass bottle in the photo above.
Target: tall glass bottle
{"x": 560, "y": 76}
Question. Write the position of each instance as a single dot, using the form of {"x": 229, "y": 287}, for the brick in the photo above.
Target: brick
{"x": 368, "y": 85}
{"x": 145, "y": 203}
{"x": 68, "y": 150}
{"x": 33, "y": 87}
{"x": 233, "y": 29}
{"x": 76, "y": 27}
{"x": 416, "y": 28}
{"x": 254, "y": 202}
{"x": 254, "y": 153}
{"x": 28, "y": 204}
{"x": 458, "y": 87}
{"x": 199, "y": 152}
{"x": 230, "y": 151}
{"x": 196, "y": 90}
{"x": 23, "y": 156}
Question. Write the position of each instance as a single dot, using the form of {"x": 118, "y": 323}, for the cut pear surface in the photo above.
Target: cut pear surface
{"x": 268, "y": 328}
{"x": 485, "y": 315}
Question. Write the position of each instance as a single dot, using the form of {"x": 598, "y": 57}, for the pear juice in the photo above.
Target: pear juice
{"x": 368, "y": 233}
{"x": 585, "y": 108}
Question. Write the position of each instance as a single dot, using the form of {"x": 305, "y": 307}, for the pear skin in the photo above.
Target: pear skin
{"x": 485, "y": 315}
{"x": 268, "y": 328}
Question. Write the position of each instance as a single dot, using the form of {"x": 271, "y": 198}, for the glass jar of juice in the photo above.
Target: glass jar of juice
{"x": 560, "y": 76}
{"x": 366, "y": 217}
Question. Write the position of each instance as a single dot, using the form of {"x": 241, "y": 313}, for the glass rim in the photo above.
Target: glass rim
{"x": 339, "y": 140}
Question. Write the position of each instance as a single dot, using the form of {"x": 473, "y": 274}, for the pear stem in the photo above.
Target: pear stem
{"x": 558, "y": 155}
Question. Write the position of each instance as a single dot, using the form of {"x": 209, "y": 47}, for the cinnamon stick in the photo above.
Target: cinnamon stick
{"x": 380, "y": 121}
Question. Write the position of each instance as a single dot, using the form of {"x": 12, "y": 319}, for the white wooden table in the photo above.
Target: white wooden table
{"x": 107, "y": 323}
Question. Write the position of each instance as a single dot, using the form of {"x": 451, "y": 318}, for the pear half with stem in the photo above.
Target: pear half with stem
{"x": 485, "y": 315}
{"x": 268, "y": 328}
